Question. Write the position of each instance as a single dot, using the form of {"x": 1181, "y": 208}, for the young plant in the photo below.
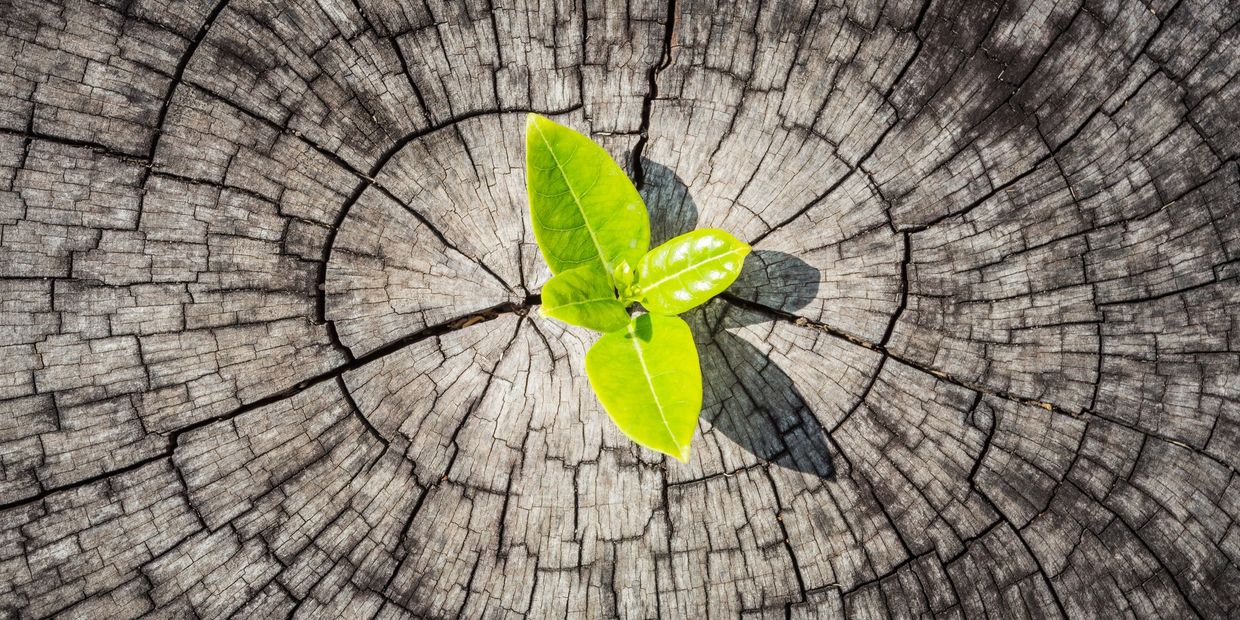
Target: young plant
{"x": 593, "y": 230}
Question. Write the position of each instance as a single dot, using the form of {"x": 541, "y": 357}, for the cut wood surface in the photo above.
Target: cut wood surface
{"x": 269, "y": 347}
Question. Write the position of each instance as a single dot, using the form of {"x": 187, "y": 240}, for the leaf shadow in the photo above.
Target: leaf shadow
{"x": 746, "y": 396}
{"x": 672, "y": 210}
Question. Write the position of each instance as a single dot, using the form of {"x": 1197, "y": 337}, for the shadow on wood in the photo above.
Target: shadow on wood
{"x": 672, "y": 210}
{"x": 747, "y": 397}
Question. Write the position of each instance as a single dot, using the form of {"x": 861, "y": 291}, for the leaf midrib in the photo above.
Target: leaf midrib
{"x": 641, "y": 361}
{"x": 577, "y": 201}
{"x": 688, "y": 268}
{"x": 592, "y": 300}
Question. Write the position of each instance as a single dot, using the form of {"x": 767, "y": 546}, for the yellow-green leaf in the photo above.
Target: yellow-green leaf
{"x": 648, "y": 378}
{"x": 687, "y": 271}
{"x": 583, "y": 296}
{"x": 584, "y": 209}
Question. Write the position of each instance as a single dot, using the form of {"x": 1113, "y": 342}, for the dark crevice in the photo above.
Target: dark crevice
{"x": 1163, "y": 295}
{"x": 990, "y": 436}
{"x": 178, "y": 78}
{"x": 1155, "y": 434}
{"x": 787, "y": 539}
{"x": 401, "y": 542}
{"x": 189, "y": 500}
{"x": 1172, "y": 576}
{"x": 843, "y": 335}
{"x": 1003, "y": 519}
{"x": 500, "y": 550}
{"x": 400, "y": 56}
{"x": 716, "y": 476}
{"x": 668, "y": 556}
{"x": 652, "y": 93}
{"x": 469, "y": 585}
{"x": 357, "y": 411}
{"x": 980, "y": 200}
{"x": 914, "y": 30}
{"x": 422, "y": 219}
{"x": 179, "y": 75}
{"x": 810, "y": 205}
{"x": 335, "y": 373}
{"x": 369, "y": 179}
{"x": 904, "y": 289}
{"x": 967, "y": 543}
{"x": 48, "y": 491}
{"x": 29, "y": 133}
{"x": 852, "y": 469}
{"x": 865, "y": 394}
{"x": 469, "y": 412}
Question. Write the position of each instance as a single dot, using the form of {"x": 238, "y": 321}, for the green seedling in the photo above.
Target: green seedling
{"x": 594, "y": 231}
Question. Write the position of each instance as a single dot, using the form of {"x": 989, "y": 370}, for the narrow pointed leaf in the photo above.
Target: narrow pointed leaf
{"x": 583, "y": 296}
{"x": 648, "y": 378}
{"x": 687, "y": 271}
{"x": 584, "y": 209}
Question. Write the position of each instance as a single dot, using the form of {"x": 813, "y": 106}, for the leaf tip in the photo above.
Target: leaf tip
{"x": 683, "y": 457}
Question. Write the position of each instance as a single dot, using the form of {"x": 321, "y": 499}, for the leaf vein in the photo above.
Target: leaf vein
{"x": 690, "y": 267}
{"x": 641, "y": 361}
{"x": 577, "y": 201}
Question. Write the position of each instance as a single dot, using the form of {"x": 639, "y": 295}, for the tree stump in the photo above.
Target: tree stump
{"x": 267, "y": 286}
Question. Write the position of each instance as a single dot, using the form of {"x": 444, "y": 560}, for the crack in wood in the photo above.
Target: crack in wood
{"x": 223, "y": 399}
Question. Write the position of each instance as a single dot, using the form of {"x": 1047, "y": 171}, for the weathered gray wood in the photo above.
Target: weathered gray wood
{"x": 269, "y": 348}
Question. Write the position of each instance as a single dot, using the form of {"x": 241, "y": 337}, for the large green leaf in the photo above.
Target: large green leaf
{"x": 583, "y": 296}
{"x": 690, "y": 269}
{"x": 584, "y": 209}
{"x": 648, "y": 378}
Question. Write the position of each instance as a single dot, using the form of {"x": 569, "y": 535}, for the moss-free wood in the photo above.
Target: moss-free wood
{"x": 268, "y": 343}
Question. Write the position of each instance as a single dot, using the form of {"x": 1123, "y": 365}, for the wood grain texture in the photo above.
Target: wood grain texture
{"x": 266, "y": 281}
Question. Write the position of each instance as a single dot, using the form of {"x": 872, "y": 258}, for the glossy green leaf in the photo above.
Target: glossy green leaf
{"x": 583, "y": 296}
{"x": 584, "y": 209}
{"x": 648, "y": 378}
{"x": 690, "y": 269}
{"x": 623, "y": 275}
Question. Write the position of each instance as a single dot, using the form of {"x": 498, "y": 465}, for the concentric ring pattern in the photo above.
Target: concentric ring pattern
{"x": 266, "y": 281}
